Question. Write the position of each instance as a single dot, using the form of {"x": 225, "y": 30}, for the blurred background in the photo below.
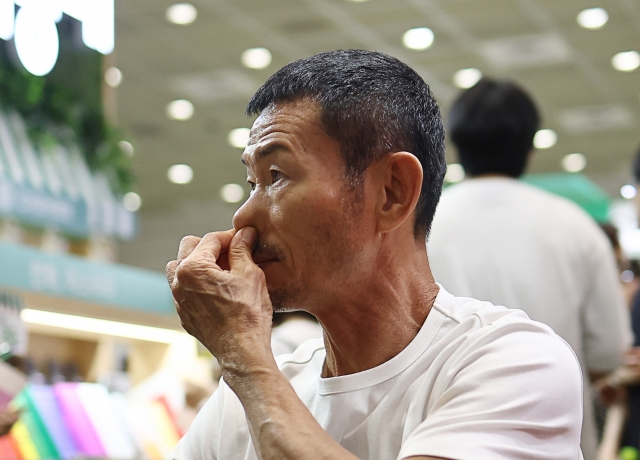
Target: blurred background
{"x": 121, "y": 129}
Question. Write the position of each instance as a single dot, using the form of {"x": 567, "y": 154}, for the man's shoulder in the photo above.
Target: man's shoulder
{"x": 482, "y": 322}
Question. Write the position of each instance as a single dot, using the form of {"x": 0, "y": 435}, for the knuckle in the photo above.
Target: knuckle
{"x": 188, "y": 269}
{"x": 188, "y": 239}
{"x": 171, "y": 266}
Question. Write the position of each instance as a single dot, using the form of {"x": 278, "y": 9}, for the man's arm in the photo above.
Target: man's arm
{"x": 606, "y": 325}
{"x": 230, "y": 313}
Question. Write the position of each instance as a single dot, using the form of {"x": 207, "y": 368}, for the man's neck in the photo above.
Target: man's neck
{"x": 380, "y": 316}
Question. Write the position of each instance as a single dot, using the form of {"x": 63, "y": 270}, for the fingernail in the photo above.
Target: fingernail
{"x": 249, "y": 235}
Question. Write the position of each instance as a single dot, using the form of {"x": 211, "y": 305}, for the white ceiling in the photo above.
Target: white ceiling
{"x": 594, "y": 108}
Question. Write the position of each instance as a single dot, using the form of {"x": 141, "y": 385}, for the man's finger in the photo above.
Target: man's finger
{"x": 241, "y": 248}
{"x": 170, "y": 271}
{"x": 211, "y": 245}
{"x": 187, "y": 245}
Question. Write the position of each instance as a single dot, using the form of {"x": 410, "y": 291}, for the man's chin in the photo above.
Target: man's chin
{"x": 282, "y": 300}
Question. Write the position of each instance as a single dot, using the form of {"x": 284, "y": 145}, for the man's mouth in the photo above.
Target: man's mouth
{"x": 266, "y": 254}
{"x": 264, "y": 261}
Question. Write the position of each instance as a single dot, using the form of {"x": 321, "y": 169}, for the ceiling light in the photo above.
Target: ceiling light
{"x": 626, "y": 61}
{"x": 418, "y": 39}
{"x": 466, "y": 78}
{"x": 113, "y": 77}
{"x": 132, "y": 201}
{"x": 7, "y": 21}
{"x": 36, "y": 40}
{"x": 593, "y": 18}
{"x": 455, "y": 173}
{"x": 545, "y": 139}
{"x": 100, "y": 326}
{"x": 232, "y": 193}
{"x": 239, "y": 137}
{"x": 628, "y": 191}
{"x": 574, "y": 162}
{"x": 126, "y": 147}
{"x": 182, "y": 13}
{"x": 256, "y": 58}
{"x": 180, "y": 109}
{"x": 180, "y": 174}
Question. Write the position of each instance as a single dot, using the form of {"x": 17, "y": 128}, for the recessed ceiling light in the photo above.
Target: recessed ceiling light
{"x": 132, "y": 201}
{"x": 574, "y": 162}
{"x": 455, "y": 173}
{"x": 180, "y": 174}
{"x": 126, "y": 147}
{"x": 180, "y": 109}
{"x": 626, "y": 61}
{"x": 593, "y": 18}
{"x": 256, "y": 58}
{"x": 239, "y": 137}
{"x": 545, "y": 139}
{"x": 232, "y": 193}
{"x": 113, "y": 77}
{"x": 182, "y": 13}
{"x": 420, "y": 38}
{"x": 628, "y": 191}
{"x": 466, "y": 78}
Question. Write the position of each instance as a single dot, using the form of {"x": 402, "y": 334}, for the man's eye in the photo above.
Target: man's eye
{"x": 275, "y": 175}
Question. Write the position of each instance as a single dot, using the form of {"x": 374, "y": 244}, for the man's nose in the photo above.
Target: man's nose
{"x": 248, "y": 214}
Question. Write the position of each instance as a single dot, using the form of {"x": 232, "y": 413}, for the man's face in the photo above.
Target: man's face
{"x": 311, "y": 224}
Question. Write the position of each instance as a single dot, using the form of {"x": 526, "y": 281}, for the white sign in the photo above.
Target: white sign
{"x": 36, "y": 35}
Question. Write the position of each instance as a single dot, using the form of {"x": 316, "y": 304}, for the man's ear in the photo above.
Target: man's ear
{"x": 399, "y": 184}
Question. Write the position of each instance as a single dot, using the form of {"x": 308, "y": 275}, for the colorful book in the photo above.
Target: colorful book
{"x": 75, "y": 416}
{"x": 7, "y": 451}
{"x": 98, "y": 404}
{"x": 43, "y": 401}
{"x": 26, "y": 446}
{"x": 37, "y": 431}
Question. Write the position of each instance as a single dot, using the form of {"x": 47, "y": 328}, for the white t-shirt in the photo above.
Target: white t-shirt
{"x": 502, "y": 240}
{"x": 477, "y": 382}
{"x": 288, "y": 336}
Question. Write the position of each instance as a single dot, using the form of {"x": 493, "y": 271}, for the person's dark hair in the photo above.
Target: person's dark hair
{"x": 636, "y": 166}
{"x": 492, "y": 125}
{"x": 372, "y": 104}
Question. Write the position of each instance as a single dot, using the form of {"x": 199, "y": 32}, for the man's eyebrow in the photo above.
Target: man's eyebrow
{"x": 266, "y": 151}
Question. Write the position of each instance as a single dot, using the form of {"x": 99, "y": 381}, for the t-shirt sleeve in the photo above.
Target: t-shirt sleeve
{"x": 514, "y": 396}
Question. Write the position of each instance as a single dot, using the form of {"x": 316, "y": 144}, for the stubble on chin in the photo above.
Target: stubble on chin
{"x": 285, "y": 300}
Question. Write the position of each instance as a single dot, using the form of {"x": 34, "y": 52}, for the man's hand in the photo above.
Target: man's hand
{"x": 222, "y": 298}
{"x": 7, "y": 418}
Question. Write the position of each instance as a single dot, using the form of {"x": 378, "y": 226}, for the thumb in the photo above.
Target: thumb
{"x": 241, "y": 248}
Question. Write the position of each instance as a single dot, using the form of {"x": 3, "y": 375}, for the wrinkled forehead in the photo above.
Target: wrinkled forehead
{"x": 300, "y": 113}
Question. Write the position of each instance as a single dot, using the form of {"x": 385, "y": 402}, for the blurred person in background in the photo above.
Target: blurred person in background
{"x": 629, "y": 375}
{"x": 499, "y": 239}
{"x": 346, "y": 162}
